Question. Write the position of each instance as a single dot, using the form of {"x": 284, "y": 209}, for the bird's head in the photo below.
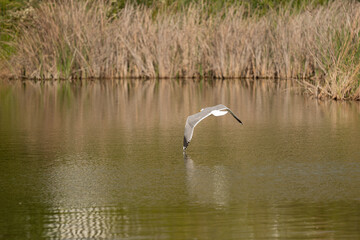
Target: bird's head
{"x": 201, "y": 109}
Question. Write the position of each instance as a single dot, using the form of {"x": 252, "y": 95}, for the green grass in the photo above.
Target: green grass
{"x": 8, "y": 25}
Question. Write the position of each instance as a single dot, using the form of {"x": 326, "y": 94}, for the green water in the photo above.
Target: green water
{"x": 103, "y": 160}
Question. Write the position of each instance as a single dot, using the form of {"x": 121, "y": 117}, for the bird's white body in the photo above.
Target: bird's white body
{"x": 218, "y": 113}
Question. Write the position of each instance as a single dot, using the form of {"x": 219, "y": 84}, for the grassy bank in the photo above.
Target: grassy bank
{"x": 315, "y": 43}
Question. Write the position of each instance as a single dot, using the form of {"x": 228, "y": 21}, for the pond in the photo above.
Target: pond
{"x": 104, "y": 160}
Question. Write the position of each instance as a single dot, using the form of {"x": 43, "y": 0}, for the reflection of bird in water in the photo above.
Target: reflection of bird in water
{"x": 206, "y": 184}
{"x": 193, "y": 120}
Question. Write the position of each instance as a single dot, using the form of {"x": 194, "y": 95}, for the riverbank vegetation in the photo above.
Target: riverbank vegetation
{"x": 317, "y": 43}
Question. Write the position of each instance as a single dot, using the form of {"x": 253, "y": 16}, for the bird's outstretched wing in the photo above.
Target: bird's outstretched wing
{"x": 227, "y": 109}
{"x": 223, "y": 107}
{"x": 190, "y": 124}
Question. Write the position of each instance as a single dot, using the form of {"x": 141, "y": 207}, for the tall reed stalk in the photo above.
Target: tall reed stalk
{"x": 79, "y": 39}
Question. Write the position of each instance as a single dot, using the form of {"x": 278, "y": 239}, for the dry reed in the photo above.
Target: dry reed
{"x": 77, "y": 39}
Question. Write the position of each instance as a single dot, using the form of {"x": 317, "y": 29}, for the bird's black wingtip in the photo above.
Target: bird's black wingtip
{"x": 185, "y": 144}
{"x": 239, "y": 121}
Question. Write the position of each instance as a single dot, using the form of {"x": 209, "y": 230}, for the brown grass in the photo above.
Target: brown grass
{"x": 76, "y": 39}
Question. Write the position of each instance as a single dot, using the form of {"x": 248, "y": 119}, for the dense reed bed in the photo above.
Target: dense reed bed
{"x": 319, "y": 46}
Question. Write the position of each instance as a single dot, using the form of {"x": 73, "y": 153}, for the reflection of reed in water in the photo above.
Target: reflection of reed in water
{"x": 206, "y": 184}
{"x": 163, "y": 103}
{"x": 136, "y": 105}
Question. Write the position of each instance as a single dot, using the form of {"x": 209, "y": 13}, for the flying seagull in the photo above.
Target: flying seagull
{"x": 193, "y": 120}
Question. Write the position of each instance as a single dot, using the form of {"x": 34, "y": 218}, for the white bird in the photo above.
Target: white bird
{"x": 193, "y": 120}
